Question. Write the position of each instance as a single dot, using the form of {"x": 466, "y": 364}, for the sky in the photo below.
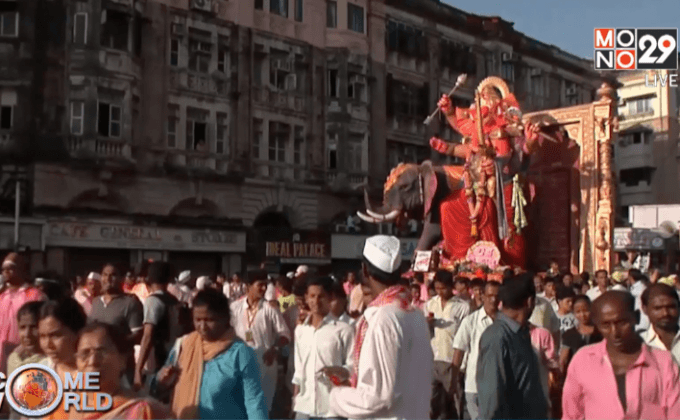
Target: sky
{"x": 569, "y": 24}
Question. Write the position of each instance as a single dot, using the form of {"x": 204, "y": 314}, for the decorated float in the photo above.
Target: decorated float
{"x": 532, "y": 187}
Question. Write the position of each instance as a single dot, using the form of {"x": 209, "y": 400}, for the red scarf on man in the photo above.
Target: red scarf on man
{"x": 399, "y": 294}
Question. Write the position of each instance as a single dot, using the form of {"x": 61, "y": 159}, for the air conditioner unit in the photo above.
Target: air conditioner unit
{"x": 535, "y": 72}
{"x": 202, "y": 5}
{"x": 283, "y": 65}
{"x": 506, "y": 57}
{"x": 571, "y": 90}
{"x": 291, "y": 82}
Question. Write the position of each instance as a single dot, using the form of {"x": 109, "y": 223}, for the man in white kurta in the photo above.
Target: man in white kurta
{"x": 394, "y": 367}
{"x": 321, "y": 341}
{"x": 263, "y": 328}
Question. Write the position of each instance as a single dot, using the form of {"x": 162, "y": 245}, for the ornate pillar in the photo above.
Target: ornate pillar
{"x": 605, "y": 128}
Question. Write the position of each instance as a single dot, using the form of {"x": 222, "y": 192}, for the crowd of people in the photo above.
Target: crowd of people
{"x": 379, "y": 343}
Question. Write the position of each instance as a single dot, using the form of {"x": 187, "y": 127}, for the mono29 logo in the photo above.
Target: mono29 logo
{"x": 36, "y": 390}
{"x": 635, "y": 49}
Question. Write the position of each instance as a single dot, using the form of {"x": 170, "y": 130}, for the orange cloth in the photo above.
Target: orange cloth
{"x": 193, "y": 353}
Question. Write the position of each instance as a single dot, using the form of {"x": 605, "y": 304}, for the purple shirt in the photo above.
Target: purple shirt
{"x": 590, "y": 390}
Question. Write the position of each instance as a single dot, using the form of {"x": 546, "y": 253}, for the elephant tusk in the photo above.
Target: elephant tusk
{"x": 383, "y": 217}
{"x": 367, "y": 200}
{"x": 366, "y": 218}
{"x": 374, "y": 214}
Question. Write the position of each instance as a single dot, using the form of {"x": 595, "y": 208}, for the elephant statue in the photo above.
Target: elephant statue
{"x": 437, "y": 196}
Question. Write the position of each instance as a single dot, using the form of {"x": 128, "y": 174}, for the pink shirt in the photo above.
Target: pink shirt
{"x": 348, "y": 287}
{"x": 652, "y": 390}
{"x": 544, "y": 344}
{"x": 83, "y": 297}
{"x": 10, "y": 302}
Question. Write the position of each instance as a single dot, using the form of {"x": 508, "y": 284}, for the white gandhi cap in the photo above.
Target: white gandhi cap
{"x": 384, "y": 252}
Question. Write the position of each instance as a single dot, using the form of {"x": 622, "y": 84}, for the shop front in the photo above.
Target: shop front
{"x": 76, "y": 248}
{"x": 646, "y": 247}
{"x": 347, "y": 251}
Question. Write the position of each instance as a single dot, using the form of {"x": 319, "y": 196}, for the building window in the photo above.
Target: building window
{"x": 298, "y": 145}
{"x": 640, "y": 106}
{"x": 199, "y": 56}
{"x": 333, "y": 83}
{"x": 197, "y": 135}
{"x": 356, "y": 88}
{"x": 174, "y": 52}
{"x": 222, "y": 60}
{"x": 77, "y": 117}
{"x": 9, "y": 24}
{"x": 406, "y": 100}
{"x": 639, "y": 137}
{"x": 108, "y": 120}
{"x": 537, "y": 83}
{"x": 6, "y": 117}
{"x": 279, "y": 7}
{"x": 355, "y": 152}
{"x": 355, "y": 18}
{"x": 634, "y": 176}
{"x": 114, "y": 30}
{"x": 80, "y": 29}
{"x": 259, "y": 4}
{"x": 278, "y": 137}
{"x": 171, "y": 132}
{"x": 508, "y": 72}
{"x": 331, "y": 14}
{"x": 222, "y": 134}
{"x": 571, "y": 93}
{"x": 406, "y": 40}
{"x": 257, "y": 137}
{"x": 332, "y": 163}
{"x": 298, "y": 10}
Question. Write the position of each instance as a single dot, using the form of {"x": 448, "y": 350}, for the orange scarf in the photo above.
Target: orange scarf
{"x": 388, "y": 296}
{"x": 193, "y": 353}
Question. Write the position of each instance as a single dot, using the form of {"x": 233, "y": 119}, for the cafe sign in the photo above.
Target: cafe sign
{"x": 100, "y": 235}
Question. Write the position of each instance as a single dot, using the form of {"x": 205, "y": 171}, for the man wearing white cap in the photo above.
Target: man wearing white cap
{"x": 393, "y": 359}
{"x": 180, "y": 290}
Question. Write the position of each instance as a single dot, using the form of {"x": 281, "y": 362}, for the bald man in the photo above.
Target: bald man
{"x": 17, "y": 291}
{"x": 620, "y": 377}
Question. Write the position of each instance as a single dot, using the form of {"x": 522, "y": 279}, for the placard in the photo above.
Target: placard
{"x": 484, "y": 253}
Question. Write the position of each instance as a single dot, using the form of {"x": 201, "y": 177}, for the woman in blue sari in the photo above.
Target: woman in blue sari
{"x": 210, "y": 372}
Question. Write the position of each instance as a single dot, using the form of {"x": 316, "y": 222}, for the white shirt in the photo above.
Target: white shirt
{"x": 447, "y": 320}
{"x": 620, "y": 287}
{"x": 652, "y": 338}
{"x": 395, "y": 369}
{"x": 347, "y": 319}
{"x": 595, "y": 293}
{"x": 636, "y": 290}
{"x": 315, "y": 348}
{"x": 467, "y": 340}
{"x": 265, "y": 327}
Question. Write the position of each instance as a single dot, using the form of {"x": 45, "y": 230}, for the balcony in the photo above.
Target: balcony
{"x": 265, "y": 169}
{"x": 117, "y": 61}
{"x": 634, "y": 156}
{"x": 198, "y": 82}
{"x": 286, "y": 100}
{"x": 353, "y": 179}
{"x": 405, "y": 62}
{"x": 406, "y": 125}
{"x": 199, "y": 161}
{"x": 101, "y": 147}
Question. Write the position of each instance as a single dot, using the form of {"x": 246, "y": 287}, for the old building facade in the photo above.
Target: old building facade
{"x": 647, "y": 151}
{"x": 199, "y": 130}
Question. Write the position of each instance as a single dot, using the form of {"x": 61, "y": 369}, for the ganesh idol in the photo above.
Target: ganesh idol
{"x": 482, "y": 200}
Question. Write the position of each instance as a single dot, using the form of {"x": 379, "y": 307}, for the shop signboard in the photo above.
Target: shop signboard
{"x": 300, "y": 248}
{"x": 351, "y": 247}
{"x": 102, "y": 235}
{"x": 637, "y": 239}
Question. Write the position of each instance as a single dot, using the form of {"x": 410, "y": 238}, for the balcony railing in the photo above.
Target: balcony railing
{"x": 353, "y": 179}
{"x": 118, "y": 62}
{"x": 266, "y": 169}
{"x": 200, "y": 160}
{"x": 198, "y": 82}
{"x": 288, "y": 100}
{"x": 106, "y": 148}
